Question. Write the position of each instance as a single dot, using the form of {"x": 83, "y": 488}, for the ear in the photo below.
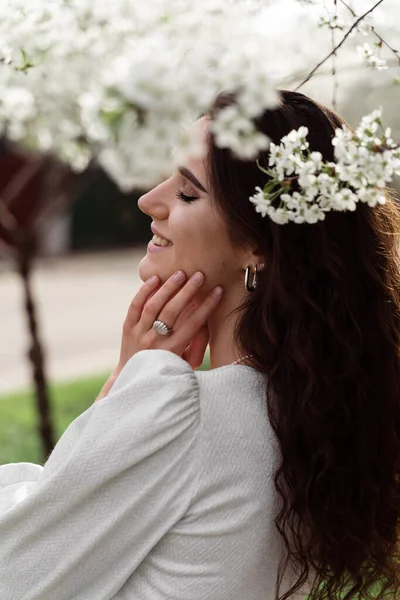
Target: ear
{"x": 255, "y": 258}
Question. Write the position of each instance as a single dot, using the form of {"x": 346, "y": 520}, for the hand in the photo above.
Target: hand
{"x": 177, "y": 307}
{"x": 173, "y": 303}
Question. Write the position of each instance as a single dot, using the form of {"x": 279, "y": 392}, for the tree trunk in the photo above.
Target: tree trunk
{"x": 35, "y": 353}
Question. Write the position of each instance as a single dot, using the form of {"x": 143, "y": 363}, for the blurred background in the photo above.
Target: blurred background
{"x": 64, "y": 292}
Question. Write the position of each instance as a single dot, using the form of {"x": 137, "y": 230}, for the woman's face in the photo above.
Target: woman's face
{"x": 183, "y": 214}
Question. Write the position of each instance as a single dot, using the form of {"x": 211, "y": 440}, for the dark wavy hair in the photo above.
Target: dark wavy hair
{"x": 324, "y": 325}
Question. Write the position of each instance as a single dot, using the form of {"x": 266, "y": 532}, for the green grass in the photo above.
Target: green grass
{"x": 19, "y": 438}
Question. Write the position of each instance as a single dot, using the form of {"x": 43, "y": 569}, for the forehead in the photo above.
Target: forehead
{"x": 194, "y": 157}
{"x": 199, "y": 129}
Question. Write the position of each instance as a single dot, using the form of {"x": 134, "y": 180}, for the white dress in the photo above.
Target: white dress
{"x": 161, "y": 490}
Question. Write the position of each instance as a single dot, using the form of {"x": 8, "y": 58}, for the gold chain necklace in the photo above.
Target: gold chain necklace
{"x": 242, "y": 358}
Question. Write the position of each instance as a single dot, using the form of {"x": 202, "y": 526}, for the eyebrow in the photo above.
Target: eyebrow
{"x": 189, "y": 175}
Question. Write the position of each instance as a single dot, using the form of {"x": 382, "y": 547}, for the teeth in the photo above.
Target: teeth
{"x": 160, "y": 241}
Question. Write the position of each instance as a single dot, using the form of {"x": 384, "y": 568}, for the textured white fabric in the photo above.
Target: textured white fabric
{"x": 161, "y": 490}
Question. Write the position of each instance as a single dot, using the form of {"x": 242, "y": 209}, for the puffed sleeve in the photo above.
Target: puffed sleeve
{"x": 120, "y": 477}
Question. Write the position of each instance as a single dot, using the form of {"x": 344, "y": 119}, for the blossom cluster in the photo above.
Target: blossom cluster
{"x": 369, "y": 55}
{"x": 302, "y": 187}
{"x": 347, "y": 17}
{"x": 119, "y": 81}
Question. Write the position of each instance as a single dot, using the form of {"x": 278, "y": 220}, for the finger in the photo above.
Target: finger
{"x": 137, "y": 304}
{"x": 198, "y": 318}
{"x": 198, "y": 347}
{"x": 178, "y": 305}
{"x": 152, "y": 309}
{"x": 186, "y": 354}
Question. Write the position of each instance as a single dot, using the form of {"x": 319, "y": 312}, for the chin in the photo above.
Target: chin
{"x": 146, "y": 270}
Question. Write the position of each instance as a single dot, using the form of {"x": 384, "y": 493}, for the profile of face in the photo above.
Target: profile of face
{"x": 183, "y": 214}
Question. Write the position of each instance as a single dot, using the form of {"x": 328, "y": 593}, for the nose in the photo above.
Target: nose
{"x": 155, "y": 203}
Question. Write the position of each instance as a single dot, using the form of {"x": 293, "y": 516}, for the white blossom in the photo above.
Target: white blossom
{"x": 370, "y": 56}
{"x": 364, "y": 27}
{"x": 332, "y": 21}
{"x": 260, "y": 201}
{"x": 233, "y": 129}
{"x": 306, "y": 174}
{"x": 279, "y": 216}
{"x": 344, "y": 200}
{"x": 366, "y": 161}
{"x": 313, "y": 214}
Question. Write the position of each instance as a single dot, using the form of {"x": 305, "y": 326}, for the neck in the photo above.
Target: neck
{"x": 221, "y": 326}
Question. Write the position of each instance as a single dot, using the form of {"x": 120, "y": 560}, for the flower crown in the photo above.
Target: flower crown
{"x": 302, "y": 187}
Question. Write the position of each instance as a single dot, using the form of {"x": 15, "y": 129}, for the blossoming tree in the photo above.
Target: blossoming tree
{"x": 117, "y": 82}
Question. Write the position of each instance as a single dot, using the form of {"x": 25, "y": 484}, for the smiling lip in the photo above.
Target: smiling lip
{"x": 158, "y": 234}
{"x": 154, "y": 248}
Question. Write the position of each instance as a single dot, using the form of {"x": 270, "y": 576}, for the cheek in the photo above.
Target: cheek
{"x": 195, "y": 234}
{"x": 204, "y": 246}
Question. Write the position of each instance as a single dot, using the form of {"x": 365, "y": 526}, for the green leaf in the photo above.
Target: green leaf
{"x": 263, "y": 169}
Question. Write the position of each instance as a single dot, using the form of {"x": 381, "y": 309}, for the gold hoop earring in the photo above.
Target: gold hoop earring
{"x": 252, "y": 287}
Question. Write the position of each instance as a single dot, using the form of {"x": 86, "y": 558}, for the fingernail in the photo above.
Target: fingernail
{"x": 217, "y": 292}
{"x": 198, "y": 278}
{"x": 179, "y": 277}
{"x": 153, "y": 280}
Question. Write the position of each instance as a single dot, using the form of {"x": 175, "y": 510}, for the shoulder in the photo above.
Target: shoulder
{"x": 234, "y": 406}
{"x": 232, "y": 381}
{"x": 158, "y": 385}
{"x": 153, "y": 404}
{"x": 154, "y": 368}
{"x": 13, "y": 473}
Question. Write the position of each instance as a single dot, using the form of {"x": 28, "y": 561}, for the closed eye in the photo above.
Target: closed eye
{"x": 181, "y": 196}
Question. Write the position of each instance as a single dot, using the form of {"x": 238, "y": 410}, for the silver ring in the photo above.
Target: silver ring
{"x": 161, "y": 327}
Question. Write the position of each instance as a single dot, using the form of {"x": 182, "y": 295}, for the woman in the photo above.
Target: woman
{"x": 274, "y": 474}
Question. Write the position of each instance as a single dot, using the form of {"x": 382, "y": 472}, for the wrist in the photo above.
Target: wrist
{"x": 109, "y": 383}
{"x": 115, "y": 373}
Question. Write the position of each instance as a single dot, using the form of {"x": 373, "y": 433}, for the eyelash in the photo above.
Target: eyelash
{"x": 181, "y": 196}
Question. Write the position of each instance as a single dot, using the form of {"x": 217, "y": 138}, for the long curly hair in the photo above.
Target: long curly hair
{"x": 324, "y": 325}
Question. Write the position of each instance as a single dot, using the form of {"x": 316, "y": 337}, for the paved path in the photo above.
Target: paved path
{"x": 82, "y": 301}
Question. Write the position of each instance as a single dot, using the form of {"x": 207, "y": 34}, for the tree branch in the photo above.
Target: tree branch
{"x": 8, "y": 223}
{"x": 311, "y": 73}
{"x": 382, "y": 41}
{"x": 334, "y": 56}
{"x": 290, "y": 80}
{"x": 376, "y": 34}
